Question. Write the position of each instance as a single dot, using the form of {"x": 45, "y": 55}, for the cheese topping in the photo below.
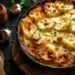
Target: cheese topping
{"x": 48, "y": 32}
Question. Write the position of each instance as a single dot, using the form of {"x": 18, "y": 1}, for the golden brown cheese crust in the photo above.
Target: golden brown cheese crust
{"x": 36, "y": 13}
{"x": 49, "y": 35}
{"x": 51, "y": 10}
{"x": 63, "y": 6}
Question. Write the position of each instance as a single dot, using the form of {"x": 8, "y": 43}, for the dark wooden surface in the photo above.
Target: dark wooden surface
{"x": 12, "y": 23}
{"x": 10, "y": 67}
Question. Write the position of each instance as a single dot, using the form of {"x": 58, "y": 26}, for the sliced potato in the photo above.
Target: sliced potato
{"x": 72, "y": 14}
{"x": 63, "y": 6}
{"x": 51, "y": 10}
{"x": 72, "y": 27}
{"x": 67, "y": 43}
{"x": 36, "y": 13}
{"x": 45, "y": 24}
{"x": 59, "y": 24}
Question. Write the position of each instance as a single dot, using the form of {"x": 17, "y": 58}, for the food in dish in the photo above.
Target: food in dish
{"x": 63, "y": 6}
{"x": 48, "y": 33}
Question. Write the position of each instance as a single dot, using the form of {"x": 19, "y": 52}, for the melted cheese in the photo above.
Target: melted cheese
{"x": 72, "y": 26}
{"x": 50, "y": 34}
{"x": 36, "y": 13}
{"x": 63, "y": 7}
{"x": 51, "y": 10}
{"x": 45, "y": 23}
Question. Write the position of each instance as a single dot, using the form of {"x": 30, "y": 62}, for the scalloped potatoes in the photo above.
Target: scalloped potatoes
{"x": 48, "y": 32}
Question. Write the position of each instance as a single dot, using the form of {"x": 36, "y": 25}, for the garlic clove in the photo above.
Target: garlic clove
{"x": 4, "y": 35}
{"x": 15, "y": 9}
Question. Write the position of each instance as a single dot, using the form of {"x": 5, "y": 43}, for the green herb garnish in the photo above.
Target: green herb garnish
{"x": 25, "y": 2}
{"x": 12, "y": 1}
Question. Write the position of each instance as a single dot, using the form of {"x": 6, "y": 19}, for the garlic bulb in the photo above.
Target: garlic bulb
{"x": 4, "y": 35}
{"x": 15, "y": 9}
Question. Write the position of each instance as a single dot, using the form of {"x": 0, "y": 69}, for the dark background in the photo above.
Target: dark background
{"x": 10, "y": 67}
